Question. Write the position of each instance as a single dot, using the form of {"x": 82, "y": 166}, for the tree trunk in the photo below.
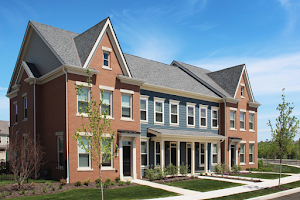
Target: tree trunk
{"x": 100, "y": 173}
{"x": 280, "y": 170}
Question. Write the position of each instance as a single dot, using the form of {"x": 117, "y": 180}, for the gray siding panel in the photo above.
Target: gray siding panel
{"x": 38, "y": 53}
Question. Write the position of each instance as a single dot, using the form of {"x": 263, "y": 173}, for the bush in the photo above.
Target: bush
{"x": 60, "y": 187}
{"x": 117, "y": 179}
{"x": 260, "y": 164}
{"x": 106, "y": 184}
{"x": 171, "y": 170}
{"x": 98, "y": 185}
{"x": 53, "y": 188}
{"x": 97, "y": 180}
{"x": 87, "y": 182}
{"x": 78, "y": 183}
{"x": 193, "y": 177}
{"x": 22, "y": 192}
{"x": 33, "y": 191}
{"x": 218, "y": 168}
{"x": 128, "y": 182}
{"x": 108, "y": 180}
{"x": 113, "y": 183}
{"x": 120, "y": 183}
{"x": 63, "y": 181}
{"x": 236, "y": 168}
{"x": 44, "y": 190}
{"x": 184, "y": 169}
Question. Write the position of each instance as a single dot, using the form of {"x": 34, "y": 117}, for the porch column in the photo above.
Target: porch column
{"x": 229, "y": 155}
{"x": 236, "y": 153}
{"x": 205, "y": 158}
{"x": 134, "y": 158}
{"x": 121, "y": 157}
{"x": 178, "y": 154}
{"x": 193, "y": 159}
{"x": 162, "y": 154}
{"x": 219, "y": 153}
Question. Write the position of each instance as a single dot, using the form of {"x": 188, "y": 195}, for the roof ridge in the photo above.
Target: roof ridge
{"x": 149, "y": 60}
{"x": 91, "y": 27}
{"x": 226, "y": 68}
{"x": 192, "y": 65}
{"x": 52, "y": 27}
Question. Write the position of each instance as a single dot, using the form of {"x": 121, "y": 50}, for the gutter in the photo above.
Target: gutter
{"x": 67, "y": 128}
{"x": 225, "y": 144}
{"x": 34, "y": 128}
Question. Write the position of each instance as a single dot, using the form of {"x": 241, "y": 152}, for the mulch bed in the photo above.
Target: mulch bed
{"x": 11, "y": 190}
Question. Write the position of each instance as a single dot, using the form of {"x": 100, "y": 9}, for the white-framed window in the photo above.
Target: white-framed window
{"x": 242, "y": 90}
{"x": 232, "y": 119}
{"x": 107, "y": 106}
{"x": 144, "y": 108}
{"x": 251, "y": 121}
{"x": 214, "y": 153}
{"x": 190, "y": 114}
{"x": 214, "y": 117}
{"x": 251, "y": 153}
{"x": 106, "y": 59}
{"x": 174, "y": 112}
{"x": 242, "y": 120}
{"x": 126, "y": 106}
{"x": 83, "y": 99}
{"x": 242, "y": 153}
{"x": 60, "y": 151}
{"x": 144, "y": 153}
{"x": 203, "y": 116}
{"x": 84, "y": 160}
{"x": 158, "y": 110}
{"x": 106, "y": 157}
{"x": 202, "y": 154}
{"x": 157, "y": 153}
{"x": 15, "y": 106}
{"x": 25, "y": 107}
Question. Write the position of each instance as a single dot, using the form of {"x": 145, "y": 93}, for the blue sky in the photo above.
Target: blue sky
{"x": 211, "y": 34}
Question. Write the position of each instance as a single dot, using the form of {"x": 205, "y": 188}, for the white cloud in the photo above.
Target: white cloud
{"x": 292, "y": 9}
{"x": 2, "y": 88}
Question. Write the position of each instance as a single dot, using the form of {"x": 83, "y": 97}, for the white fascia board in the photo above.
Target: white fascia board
{"x": 238, "y": 85}
{"x": 248, "y": 85}
{"x": 130, "y": 80}
{"x": 231, "y": 100}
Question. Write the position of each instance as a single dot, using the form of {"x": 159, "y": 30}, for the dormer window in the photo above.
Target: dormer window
{"x": 242, "y": 90}
{"x": 106, "y": 58}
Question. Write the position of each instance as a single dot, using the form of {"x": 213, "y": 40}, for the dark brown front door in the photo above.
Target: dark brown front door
{"x": 189, "y": 158}
{"x": 232, "y": 156}
{"x": 173, "y": 156}
{"x": 126, "y": 161}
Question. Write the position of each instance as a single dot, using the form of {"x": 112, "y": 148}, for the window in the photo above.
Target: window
{"x": 144, "y": 108}
{"x": 159, "y": 110}
{"x": 126, "y": 106}
{"x": 84, "y": 160}
{"x": 251, "y": 121}
{"x": 214, "y": 154}
{"x": 25, "y": 107}
{"x": 7, "y": 139}
{"x": 203, "y": 116}
{"x": 202, "y": 154}
{"x": 107, "y": 103}
{"x": 214, "y": 117}
{"x": 190, "y": 110}
{"x": 242, "y": 153}
{"x": 83, "y": 99}
{"x": 60, "y": 151}
{"x": 16, "y": 112}
{"x": 251, "y": 153}
{"x": 174, "y": 112}
{"x": 242, "y": 90}
{"x": 106, "y": 59}
{"x": 157, "y": 152}
{"x": 107, "y": 156}
{"x": 232, "y": 119}
{"x": 144, "y": 150}
{"x": 242, "y": 120}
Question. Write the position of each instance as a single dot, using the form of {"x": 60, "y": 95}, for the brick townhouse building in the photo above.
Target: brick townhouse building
{"x": 160, "y": 113}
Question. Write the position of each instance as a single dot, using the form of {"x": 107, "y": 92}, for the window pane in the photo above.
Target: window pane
{"x": 60, "y": 158}
{"x": 158, "y": 107}
{"x": 190, "y": 111}
{"x": 126, "y": 100}
{"x": 232, "y": 115}
{"x": 242, "y": 157}
{"x": 60, "y": 144}
{"x": 242, "y": 148}
{"x": 203, "y": 122}
{"x": 105, "y": 55}
{"x": 157, "y": 147}
{"x": 143, "y": 147}
{"x": 191, "y": 120}
{"x": 106, "y": 160}
{"x": 251, "y": 148}
{"x": 215, "y": 160}
{"x": 250, "y": 125}
{"x": 82, "y": 105}
{"x": 143, "y": 104}
{"x": 250, "y": 158}
{"x": 231, "y": 124}
{"x": 174, "y": 119}
{"x": 202, "y": 159}
{"x": 174, "y": 109}
{"x": 214, "y": 148}
{"x": 144, "y": 159}
{"x": 242, "y": 125}
{"x": 143, "y": 115}
{"x": 215, "y": 123}
{"x": 215, "y": 114}
{"x": 202, "y": 148}
{"x": 106, "y": 97}
{"x": 83, "y": 160}
{"x": 203, "y": 112}
{"x": 105, "y": 62}
{"x": 157, "y": 159}
{"x": 242, "y": 116}
{"x": 125, "y": 112}
{"x": 83, "y": 96}
{"x": 159, "y": 117}
{"x": 86, "y": 144}
{"x": 105, "y": 109}
{"x": 251, "y": 118}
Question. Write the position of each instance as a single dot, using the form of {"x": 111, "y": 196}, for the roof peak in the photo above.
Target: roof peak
{"x": 33, "y": 22}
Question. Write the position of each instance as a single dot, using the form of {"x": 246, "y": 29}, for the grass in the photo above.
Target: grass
{"x": 261, "y": 192}
{"x": 8, "y": 178}
{"x": 203, "y": 185}
{"x": 133, "y": 192}
{"x": 276, "y": 168}
{"x": 262, "y": 175}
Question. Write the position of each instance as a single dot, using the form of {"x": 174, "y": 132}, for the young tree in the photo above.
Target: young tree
{"x": 22, "y": 157}
{"x": 286, "y": 129}
{"x": 97, "y": 137}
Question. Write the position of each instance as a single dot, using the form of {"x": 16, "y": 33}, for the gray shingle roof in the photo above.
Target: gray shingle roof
{"x": 182, "y": 132}
{"x": 228, "y": 78}
{"x": 61, "y": 41}
{"x": 4, "y": 127}
{"x": 35, "y": 72}
{"x": 85, "y": 41}
{"x": 160, "y": 74}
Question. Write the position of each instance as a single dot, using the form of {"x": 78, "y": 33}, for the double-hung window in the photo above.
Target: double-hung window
{"x": 242, "y": 153}
{"x": 16, "y": 112}
{"x": 157, "y": 153}
{"x": 106, "y": 152}
{"x": 83, "y": 99}
{"x": 214, "y": 117}
{"x": 126, "y": 104}
{"x": 251, "y": 153}
{"x": 159, "y": 110}
{"x": 214, "y": 153}
{"x": 144, "y": 152}
{"x": 7, "y": 139}
{"x": 144, "y": 108}
{"x": 25, "y": 107}
{"x": 202, "y": 154}
{"x": 203, "y": 116}
{"x": 84, "y": 160}
{"x": 190, "y": 113}
{"x": 242, "y": 90}
{"x": 232, "y": 119}
{"x": 106, "y": 58}
{"x": 251, "y": 121}
{"x": 242, "y": 120}
{"x": 174, "y": 112}
{"x": 60, "y": 151}
{"x": 106, "y": 107}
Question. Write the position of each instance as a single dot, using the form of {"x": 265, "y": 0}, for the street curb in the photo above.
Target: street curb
{"x": 277, "y": 194}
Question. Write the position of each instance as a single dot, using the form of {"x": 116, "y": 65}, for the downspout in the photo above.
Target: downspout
{"x": 67, "y": 128}
{"x": 34, "y": 127}
{"x": 225, "y": 145}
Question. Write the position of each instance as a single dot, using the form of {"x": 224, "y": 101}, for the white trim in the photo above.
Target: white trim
{"x": 251, "y": 112}
{"x": 84, "y": 84}
{"x": 61, "y": 133}
{"x": 131, "y": 107}
{"x": 242, "y": 84}
{"x": 234, "y": 119}
{"x": 162, "y": 101}
{"x": 192, "y": 105}
{"x": 173, "y": 102}
{"x": 145, "y": 98}
{"x": 103, "y": 87}
{"x": 213, "y": 108}
{"x": 130, "y": 80}
{"x": 127, "y": 119}
{"x": 147, "y": 153}
{"x": 90, "y": 160}
{"x": 106, "y": 49}
{"x": 212, "y": 154}
{"x": 243, "y": 129}
{"x": 234, "y": 109}
{"x": 110, "y": 116}
{"x": 238, "y": 85}
{"x": 243, "y": 141}
{"x": 85, "y": 169}
{"x": 85, "y": 134}
{"x": 251, "y": 142}
{"x": 24, "y": 95}
{"x": 126, "y": 91}
{"x": 158, "y": 99}
{"x": 106, "y": 67}
{"x": 242, "y": 110}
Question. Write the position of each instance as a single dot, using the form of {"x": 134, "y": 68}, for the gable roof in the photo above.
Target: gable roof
{"x": 86, "y": 41}
{"x": 228, "y": 78}
{"x": 165, "y": 75}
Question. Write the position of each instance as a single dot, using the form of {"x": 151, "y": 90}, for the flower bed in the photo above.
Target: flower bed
{"x": 173, "y": 179}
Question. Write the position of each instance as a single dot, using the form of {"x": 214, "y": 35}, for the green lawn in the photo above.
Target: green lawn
{"x": 10, "y": 177}
{"x": 275, "y": 168}
{"x": 133, "y": 192}
{"x": 256, "y": 193}
{"x": 262, "y": 175}
{"x": 203, "y": 185}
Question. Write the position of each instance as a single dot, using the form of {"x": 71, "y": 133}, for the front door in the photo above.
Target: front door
{"x": 189, "y": 158}
{"x": 232, "y": 155}
{"x": 173, "y": 156}
{"x": 126, "y": 161}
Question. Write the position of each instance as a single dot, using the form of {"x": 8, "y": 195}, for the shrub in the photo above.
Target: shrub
{"x": 184, "y": 169}
{"x": 22, "y": 192}
{"x": 193, "y": 177}
{"x": 53, "y": 188}
{"x": 33, "y": 184}
{"x": 260, "y": 164}
{"x": 117, "y": 179}
{"x": 201, "y": 174}
{"x": 98, "y": 185}
{"x": 218, "y": 168}
{"x": 4, "y": 194}
{"x": 160, "y": 174}
{"x": 78, "y": 183}
{"x": 33, "y": 191}
{"x": 63, "y": 181}
{"x": 106, "y": 184}
{"x": 171, "y": 170}
{"x": 97, "y": 180}
{"x": 121, "y": 183}
{"x": 108, "y": 180}
{"x": 128, "y": 182}
{"x": 113, "y": 183}
{"x": 10, "y": 192}
{"x": 87, "y": 182}
{"x": 60, "y": 187}
{"x": 44, "y": 189}
{"x": 224, "y": 168}
{"x": 236, "y": 168}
